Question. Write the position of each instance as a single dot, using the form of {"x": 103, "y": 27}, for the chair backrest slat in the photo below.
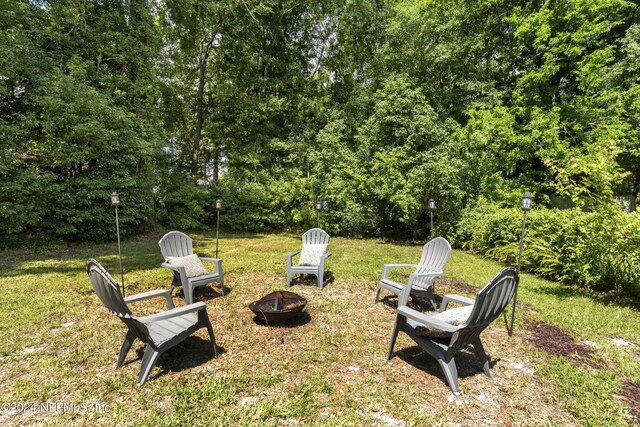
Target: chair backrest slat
{"x": 315, "y": 236}
{"x": 107, "y": 289}
{"x": 176, "y": 244}
{"x": 489, "y": 303}
{"x": 435, "y": 255}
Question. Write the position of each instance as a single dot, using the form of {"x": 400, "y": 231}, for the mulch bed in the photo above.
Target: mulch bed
{"x": 556, "y": 341}
{"x": 630, "y": 392}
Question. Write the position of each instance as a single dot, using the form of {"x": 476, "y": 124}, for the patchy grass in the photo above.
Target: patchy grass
{"x": 328, "y": 367}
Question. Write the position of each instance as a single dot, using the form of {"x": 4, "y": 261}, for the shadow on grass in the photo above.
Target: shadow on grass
{"x": 403, "y": 242}
{"x": 420, "y": 304}
{"x": 466, "y": 361}
{"x": 210, "y": 236}
{"x": 311, "y": 280}
{"x": 617, "y": 298}
{"x": 301, "y": 319}
{"x": 138, "y": 253}
{"x": 141, "y": 260}
{"x": 207, "y": 292}
{"x": 190, "y": 353}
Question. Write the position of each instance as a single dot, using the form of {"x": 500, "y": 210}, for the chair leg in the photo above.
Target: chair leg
{"x": 126, "y": 346}
{"x": 400, "y": 320}
{"x": 432, "y": 298}
{"x": 477, "y": 346}
{"x": 188, "y": 293}
{"x": 288, "y": 278}
{"x": 148, "y": 362}
{"x": 448, "y": 365}
{"x": 222, "y": 285}
{"x": 377, "y": 295}
{"x": 212, "y": 337}
{"x": 320, "y": 277}
{"x": 170, "y": 304}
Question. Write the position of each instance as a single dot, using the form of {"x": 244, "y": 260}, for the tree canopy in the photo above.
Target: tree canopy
{"x": 372, "y": 106}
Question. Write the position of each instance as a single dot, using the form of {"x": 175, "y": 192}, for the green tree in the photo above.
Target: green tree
{"x": 76, "y": 123}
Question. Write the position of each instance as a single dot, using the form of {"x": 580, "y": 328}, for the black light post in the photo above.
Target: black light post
{"x": 526, "y": 206}
{"x": 218, "y": 209}
{"x": 319, "y": 204}
{"x": 115, "y": 201}
{"x": 432, "y": 207}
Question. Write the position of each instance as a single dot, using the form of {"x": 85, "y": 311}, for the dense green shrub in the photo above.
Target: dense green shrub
{"x": 247, "y": 206}
{"x": 77, "y": 120}
{"x": 597, "y": 249}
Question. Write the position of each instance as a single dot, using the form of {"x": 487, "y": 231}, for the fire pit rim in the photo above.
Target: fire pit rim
{"x": 282, "y": 314}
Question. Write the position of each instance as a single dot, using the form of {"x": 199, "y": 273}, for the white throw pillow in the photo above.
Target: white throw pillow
{"x": 311, "y": 254}
{"x": 193, "y": 267}
{"x": 456, "y": 316}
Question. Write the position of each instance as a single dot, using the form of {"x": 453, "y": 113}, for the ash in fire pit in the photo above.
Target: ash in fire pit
{"x": 278, "y": 306}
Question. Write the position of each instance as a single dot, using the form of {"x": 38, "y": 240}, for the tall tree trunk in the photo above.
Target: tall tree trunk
{"x": 216, "y": 165}
{"x": 200, "y": 107}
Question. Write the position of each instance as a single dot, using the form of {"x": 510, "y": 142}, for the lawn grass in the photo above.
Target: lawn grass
{"x": 58, "y": 345}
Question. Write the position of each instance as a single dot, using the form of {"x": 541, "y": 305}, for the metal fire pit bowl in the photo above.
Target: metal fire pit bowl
{"x": 278, "y": 306}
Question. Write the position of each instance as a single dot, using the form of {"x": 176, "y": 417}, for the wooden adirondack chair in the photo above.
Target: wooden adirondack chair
{"x": 315, "y": 239}
{"x": 442, "y": 338}
{"x": 159, "y": 331}
{"x": 177, "y": 244}
{"x": 435, "y": 255}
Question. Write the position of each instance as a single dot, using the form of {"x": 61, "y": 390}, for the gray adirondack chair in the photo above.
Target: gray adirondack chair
{"x": 177, "y": 244}
{"x": 435, "y": 255}
{"x": 315, "y": 236}
{"x": 489, "y": 303}
{"x": 159, "y": 331}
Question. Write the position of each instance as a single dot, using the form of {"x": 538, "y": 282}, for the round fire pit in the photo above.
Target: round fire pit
{"x": 278, "y": 306}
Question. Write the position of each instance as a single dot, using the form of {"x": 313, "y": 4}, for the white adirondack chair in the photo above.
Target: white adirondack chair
{"x": 312, "y": 239}
{"x": 440, "y": 334}
{"x": 435, "y": 255}
{"x": 177, "y": 244}
{"x": 159, "y": 331}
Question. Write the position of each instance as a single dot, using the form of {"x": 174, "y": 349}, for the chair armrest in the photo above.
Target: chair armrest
{"x": 426, "y": 320}
{"x": 290, "y": 256}
{"x": 455, "y": 298}
{"x": 387, "y": 267}
{"x": 175, "y": 312}
{"x": 217, "y": 261}
{"x": 323, "y": 259}
{"x": 151, "y": 294}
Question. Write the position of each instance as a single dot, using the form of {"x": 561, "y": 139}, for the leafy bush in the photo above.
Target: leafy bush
{"x": 596, "y": 249}
{"x": 247, "y": 206}
{"x": 55, "y": 184}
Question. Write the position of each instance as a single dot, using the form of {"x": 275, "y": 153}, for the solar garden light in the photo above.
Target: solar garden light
{"x": 525, "y": 206}
{"x": 218, "y": 209}
{"x": 115, "y": 201}
{"x": 319, "y": 205}
{"x": 432, "y": 207}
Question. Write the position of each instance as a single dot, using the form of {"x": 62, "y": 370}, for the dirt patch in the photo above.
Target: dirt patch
{"x": 556, "y": 341}
{"x": 457, "y": 286}
{"x": 630, "y": 393}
